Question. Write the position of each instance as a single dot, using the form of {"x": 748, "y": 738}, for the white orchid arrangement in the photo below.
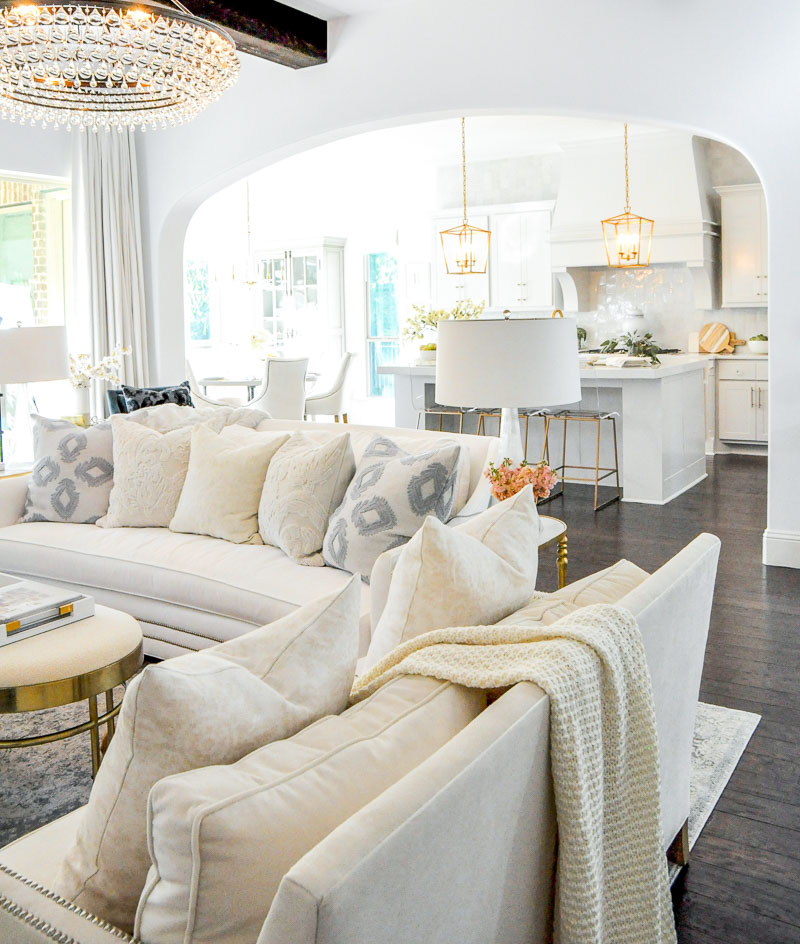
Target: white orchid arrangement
{"x": 82, "y": 371}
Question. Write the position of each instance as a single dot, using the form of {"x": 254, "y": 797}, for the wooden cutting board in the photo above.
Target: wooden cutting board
{"x": 714, "y": 338}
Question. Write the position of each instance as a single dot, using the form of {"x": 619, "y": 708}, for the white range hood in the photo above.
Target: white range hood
{"x": 669, "y": 183}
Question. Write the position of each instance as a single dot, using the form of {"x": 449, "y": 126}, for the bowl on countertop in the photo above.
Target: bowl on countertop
{"x": 758, "y": 347}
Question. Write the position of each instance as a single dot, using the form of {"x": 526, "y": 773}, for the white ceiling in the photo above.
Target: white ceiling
{"x": 330, "y": 11}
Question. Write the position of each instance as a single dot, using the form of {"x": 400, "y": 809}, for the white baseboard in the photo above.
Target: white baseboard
{"x": 781, "y": 549}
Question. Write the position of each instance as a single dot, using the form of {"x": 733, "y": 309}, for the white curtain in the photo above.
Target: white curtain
{"x": 109, "y": 284}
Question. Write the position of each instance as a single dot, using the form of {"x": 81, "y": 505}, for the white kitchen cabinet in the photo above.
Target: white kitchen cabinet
{"x": 451, "y": 289}
{"x": 742, "y": 409}
{"x": 745, "y": 283}
{"x": 299, "y": 302}
{"x": 521, "y": 273}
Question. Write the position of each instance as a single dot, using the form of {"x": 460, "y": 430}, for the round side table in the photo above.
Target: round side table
{"x": 554, "y": 530}
{"x": 82, "y": 660}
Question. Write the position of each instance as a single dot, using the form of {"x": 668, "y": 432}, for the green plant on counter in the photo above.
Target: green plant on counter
{"x": 635, "y": 344}
{"x": 581, "y": 336}
{"x": 426, "y": 319}
{"x": 759, "y": 337}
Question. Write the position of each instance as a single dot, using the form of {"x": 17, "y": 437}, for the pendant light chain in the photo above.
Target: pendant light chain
{"x": 627, "y": 182}
{"x": 464, "y": 164}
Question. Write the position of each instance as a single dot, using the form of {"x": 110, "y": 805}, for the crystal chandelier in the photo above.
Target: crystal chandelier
{"x": 465, "y": 247}
{"x": 628, "y": 238}
{"x": 110, "y": 65}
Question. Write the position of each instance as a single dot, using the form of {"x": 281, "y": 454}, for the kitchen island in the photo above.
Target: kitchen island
{"x": 660, "y": 422}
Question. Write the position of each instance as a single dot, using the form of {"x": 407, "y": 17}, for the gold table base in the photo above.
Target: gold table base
{"x": 67, "y": 691}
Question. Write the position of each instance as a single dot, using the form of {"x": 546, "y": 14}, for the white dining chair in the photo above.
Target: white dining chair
{"x": 283, "y": 391}
{"x": 199, "y": 398}
{"x": 330, "y": 402}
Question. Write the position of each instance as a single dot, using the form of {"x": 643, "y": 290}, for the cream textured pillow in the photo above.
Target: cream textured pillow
{"x": 149, "y": 472}
{"x": 305, "y": 483}
{"x": 224, "y": 483}
{"x": 209, "y": 707}
{"x": 222, "y": 838}
{"x": 474, "y": 574}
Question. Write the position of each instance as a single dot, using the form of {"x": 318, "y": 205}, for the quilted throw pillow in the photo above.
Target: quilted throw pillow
{"x": 73, "y": 472}
{"x": 138, "y": 397}
{"x": 391, "y": 494}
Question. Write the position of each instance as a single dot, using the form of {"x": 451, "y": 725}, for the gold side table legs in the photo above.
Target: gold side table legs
{"x": 562, "y": 561}
{"x": 93, "y": 726}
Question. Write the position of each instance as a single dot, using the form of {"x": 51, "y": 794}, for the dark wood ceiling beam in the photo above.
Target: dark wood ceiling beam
{"x": 269, "y": 29}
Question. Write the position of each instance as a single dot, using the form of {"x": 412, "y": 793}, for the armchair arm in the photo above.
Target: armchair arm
{"x": 30, "y": 914}
{"x": 13, "y": 492}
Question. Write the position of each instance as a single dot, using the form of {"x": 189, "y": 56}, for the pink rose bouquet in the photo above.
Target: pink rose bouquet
{"x": 507, "y": 479}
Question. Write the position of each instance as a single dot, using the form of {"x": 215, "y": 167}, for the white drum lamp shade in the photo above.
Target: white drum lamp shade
{"x": 508, "y": 363}
{"x": 30, "y": 355}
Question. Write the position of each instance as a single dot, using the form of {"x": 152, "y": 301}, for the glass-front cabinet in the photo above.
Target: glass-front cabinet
{"x": 300, "y": 300}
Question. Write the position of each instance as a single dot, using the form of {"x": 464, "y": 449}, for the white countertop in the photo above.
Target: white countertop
{"x": 670, "y": 364}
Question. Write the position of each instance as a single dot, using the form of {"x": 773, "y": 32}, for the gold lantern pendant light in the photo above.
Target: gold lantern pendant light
{"x": 465, "y": 247}
{"x": 628, "y": 238}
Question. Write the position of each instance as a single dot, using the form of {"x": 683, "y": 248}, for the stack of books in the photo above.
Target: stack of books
{"x": 28, "y": 608}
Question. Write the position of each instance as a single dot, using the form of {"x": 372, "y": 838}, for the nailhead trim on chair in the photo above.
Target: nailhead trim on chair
{"x": 40, "y": 924}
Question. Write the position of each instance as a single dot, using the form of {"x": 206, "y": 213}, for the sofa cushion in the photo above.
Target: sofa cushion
{"x": 211, "y": 581}
{"x": 209, "y": 707}
{"x": 149, "y": 472}
{"x": 470, "y": 465}
{"x": 169, "y": 416}
{"x": 305, "y": 484}
{"x": 474, "y": 574}
{"x": 391, "y": 494}
{"x": 73, "y": 472}
{"x": 222, "y": 838}
{"x": 605, "y": 586}
{"x": 224, "y": 483}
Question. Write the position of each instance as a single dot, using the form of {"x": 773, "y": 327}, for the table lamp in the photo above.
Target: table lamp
{"x": 31, "y": 355}
{"x": 508, "y": 363}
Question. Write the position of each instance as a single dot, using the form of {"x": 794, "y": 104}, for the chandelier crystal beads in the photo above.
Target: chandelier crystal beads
{"x": 110, "y": 65}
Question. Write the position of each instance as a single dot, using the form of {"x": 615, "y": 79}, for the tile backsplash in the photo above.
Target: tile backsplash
{"x": 659, "y": 299}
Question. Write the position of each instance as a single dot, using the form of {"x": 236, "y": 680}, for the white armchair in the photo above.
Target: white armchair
{"x": 283, "y": 392}
{"x": 199, "y": 398}
{"x": 330, "y": 402}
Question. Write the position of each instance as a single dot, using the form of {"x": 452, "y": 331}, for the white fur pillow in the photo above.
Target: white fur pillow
{"x": 224, "y": 483}
{"x": 305, "y": 484}
{"x": 472, "y": 575}
{"x": 210, "y": 707}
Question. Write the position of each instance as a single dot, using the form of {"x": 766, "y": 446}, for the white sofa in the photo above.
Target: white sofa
{"x": 461, "y": 849}
{"x": 189, "y": 591}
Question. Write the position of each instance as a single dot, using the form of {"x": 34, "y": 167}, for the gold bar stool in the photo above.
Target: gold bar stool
{"x": 583, "y": 416}
{"x": 432, "y": 408}
{"x": 484, "y": 415}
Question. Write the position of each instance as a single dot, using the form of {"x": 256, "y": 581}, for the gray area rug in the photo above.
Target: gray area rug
{"x": 39, "y": 784}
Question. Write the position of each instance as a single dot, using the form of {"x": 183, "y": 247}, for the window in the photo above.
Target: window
{"x": 35, "y": 269}
{"x": 198, "y": 300}
{"x": 383, "y": 329}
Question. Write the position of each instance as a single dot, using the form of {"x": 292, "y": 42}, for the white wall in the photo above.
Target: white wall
{"x": 727, "y": 69}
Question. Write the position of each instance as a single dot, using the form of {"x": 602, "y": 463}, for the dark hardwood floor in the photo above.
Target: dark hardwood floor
{"x": 743, "y": 882}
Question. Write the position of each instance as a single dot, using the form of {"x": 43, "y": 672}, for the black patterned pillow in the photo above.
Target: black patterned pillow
{"x": 136, "y": 398}
{"x": 389, "y": 497}
{"x": 73, "y": 472}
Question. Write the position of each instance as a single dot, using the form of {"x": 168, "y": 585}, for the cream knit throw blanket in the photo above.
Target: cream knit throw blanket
{"x": 611, "y": 880}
